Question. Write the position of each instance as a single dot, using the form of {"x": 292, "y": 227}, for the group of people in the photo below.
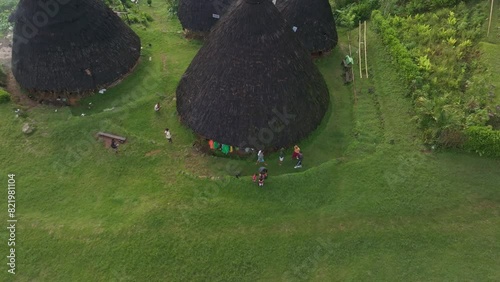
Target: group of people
{"x": 262, "y": 176}
{"x": 168, "y": 135}
{"x": 296, "y": 155}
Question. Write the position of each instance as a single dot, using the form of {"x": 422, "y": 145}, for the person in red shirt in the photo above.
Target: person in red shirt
{"x": 296, "y": 152}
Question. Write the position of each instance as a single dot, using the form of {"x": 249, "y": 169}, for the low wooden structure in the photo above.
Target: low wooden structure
{"x": 107, "y": 137}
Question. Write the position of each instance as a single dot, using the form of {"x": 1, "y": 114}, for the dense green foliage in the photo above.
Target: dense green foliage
{"x": 4, "y": 96}
{"x": 350, "y": 14}
{"x": 3, "y": 77}
{"x": 420, "y": 6}
{"x": 438, "y": 55}
{"x": 401, "y": 57}
{"x": 6, "y": 8}
{"x": 131, "y": 12}
{"x": 173, "y": 6}
{"x": 483, "y": 140}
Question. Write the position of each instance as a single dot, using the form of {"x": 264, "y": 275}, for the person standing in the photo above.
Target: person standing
{"x": 157, "y": 107}
{"x": 114, "y": 145}
{"x": 282, "y": 156}
{"x": 299, "y": 160}
{"x": 261, "y": 180}
{"x": 168, "y": 135}
{"x": 296, "y": 152}
{"x": 260, "y": 157}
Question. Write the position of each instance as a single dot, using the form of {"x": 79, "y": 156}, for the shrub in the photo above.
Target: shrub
{"x": 483, "y": 140}
{"x": 4, "y": 96}
{"x": 173, "y": 6}
{"x": 440, "y": 66}
{"x": 350, "y": 14}
{"x": 400, "y": 55}
{"x": 3, "y": 77}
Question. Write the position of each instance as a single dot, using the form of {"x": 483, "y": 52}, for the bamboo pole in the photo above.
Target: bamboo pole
{"x": 491, "y": 16}
{"x": 350, "y": 53}
{"x": 349, "y": 40}
{"x": 366, "y": 57}
{"x": 352, "y": 70}
{"x": 359, "y": 50}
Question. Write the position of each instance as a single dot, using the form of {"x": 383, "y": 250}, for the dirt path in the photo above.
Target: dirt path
{"x": 13, "y": 88}
{"x": 6, "y": 50}
{"x": 16, "y": 93}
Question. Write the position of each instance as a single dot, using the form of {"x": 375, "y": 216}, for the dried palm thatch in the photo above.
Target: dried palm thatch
{"x": 313, "y": 21}
{"x": 70, "y": 49}
{"x": 198, "y": 16}
{"x": 252, "y": 84}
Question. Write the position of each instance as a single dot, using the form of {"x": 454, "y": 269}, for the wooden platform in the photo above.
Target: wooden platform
{"x": 121, "y": 139}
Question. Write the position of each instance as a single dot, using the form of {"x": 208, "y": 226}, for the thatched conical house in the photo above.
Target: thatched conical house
{"x": 312, "y": 21}
{"x": 198, "y": 16}
{"x": 252, "y": 84}
{"x": 71, "y": 49}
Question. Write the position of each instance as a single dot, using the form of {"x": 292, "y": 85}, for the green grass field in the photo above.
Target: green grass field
{"x": 370, "y": 204}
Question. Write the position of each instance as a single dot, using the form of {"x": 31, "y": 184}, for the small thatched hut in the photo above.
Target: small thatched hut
{"x": 70, "y": 49}
{"x": 252, "y": 84}
{"x": 198, "y": 16}
{"x": 312, "y": 21}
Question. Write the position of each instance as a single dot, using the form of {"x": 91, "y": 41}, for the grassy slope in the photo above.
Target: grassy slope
{"x": 491, "y": 50}
{"x": 367, "y": 211}
{"x": 491, "y": 58}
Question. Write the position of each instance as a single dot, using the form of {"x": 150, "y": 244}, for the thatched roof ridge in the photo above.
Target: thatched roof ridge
{"x": 249, "y": 79}
{"x": 201, "y": 15}
{"x": 82, "y": 47}
{"x": 314, "y": 22}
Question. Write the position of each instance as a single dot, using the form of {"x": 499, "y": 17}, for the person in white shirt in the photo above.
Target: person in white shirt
{"x": 168, "y": 135}
{"x": 157, "y": 107}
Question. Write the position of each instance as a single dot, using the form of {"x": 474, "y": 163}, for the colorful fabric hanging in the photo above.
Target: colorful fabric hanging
{"x": 230, "y": 149}
{"x": 216, "y": 145}
{"x": 211, "y": 144}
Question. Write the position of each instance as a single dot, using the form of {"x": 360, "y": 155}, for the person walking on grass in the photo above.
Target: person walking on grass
{"x": 157, "y": 107}
{"x": 299, "y": 161}
{"x": 114, "y": 145}
{"x": 168, "y": 135}
{"x": 261, "y": 180}
{"x": 296, "y": 152}
{"x": 260, "y": 157}
{"x": 282, "y": 156}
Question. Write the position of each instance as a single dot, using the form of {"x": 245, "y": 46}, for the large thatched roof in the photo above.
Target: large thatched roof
{"x": 251, "y": 72}
{"x": 314, "y": 22}
{"x": 77, "y": 48}
{"x": 201, "y": 15}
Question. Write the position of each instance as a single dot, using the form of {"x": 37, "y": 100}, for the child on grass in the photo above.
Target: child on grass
{"x": 282, "y": 156}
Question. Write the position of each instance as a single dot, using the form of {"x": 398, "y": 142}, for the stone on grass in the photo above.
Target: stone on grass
{"x": 28, "y": 128}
